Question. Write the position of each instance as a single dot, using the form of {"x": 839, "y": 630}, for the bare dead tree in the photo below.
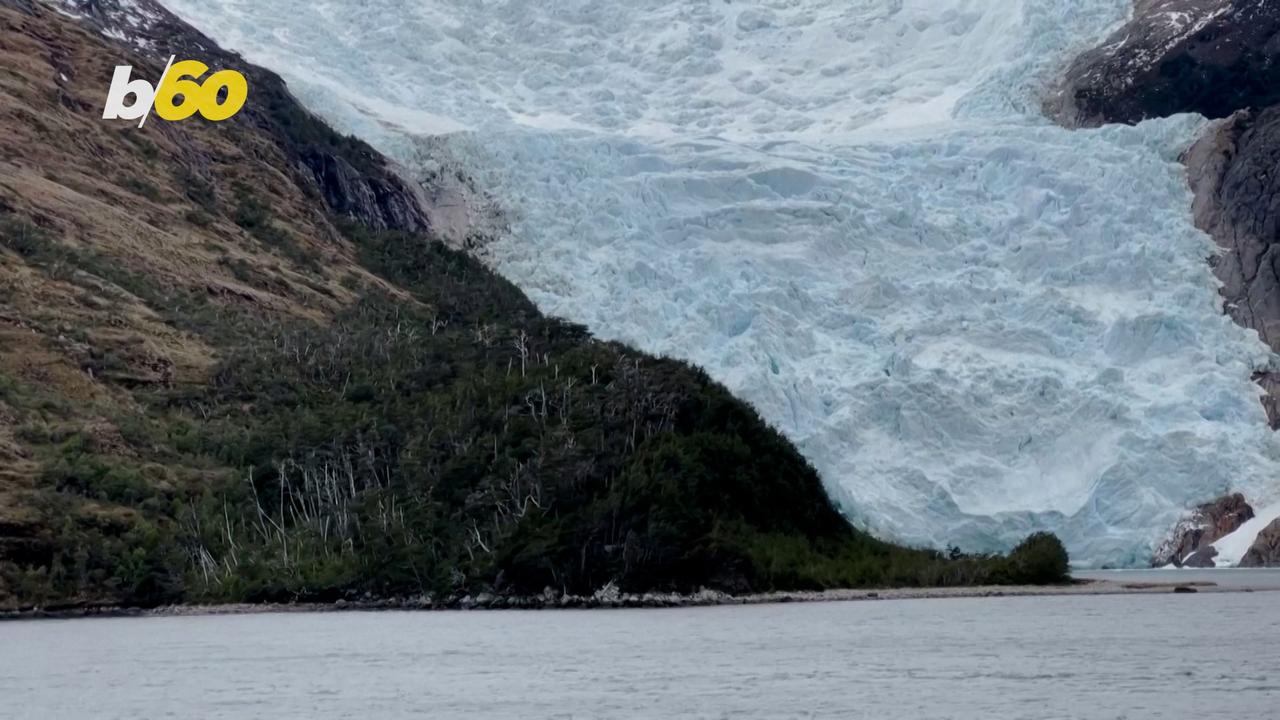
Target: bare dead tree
{"x": 521, "y": 345}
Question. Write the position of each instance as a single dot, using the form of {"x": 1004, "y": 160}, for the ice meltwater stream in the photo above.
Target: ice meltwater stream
{"x": 852, "y": 212}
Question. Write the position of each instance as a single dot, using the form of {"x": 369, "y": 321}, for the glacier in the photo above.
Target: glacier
{"x": 974, "y": 323}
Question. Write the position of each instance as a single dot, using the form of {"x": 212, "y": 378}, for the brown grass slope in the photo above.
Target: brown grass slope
{"x": 74, "y": 345}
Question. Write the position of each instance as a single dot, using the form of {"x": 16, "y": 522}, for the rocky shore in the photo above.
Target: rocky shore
{"x": 609, "y": 598}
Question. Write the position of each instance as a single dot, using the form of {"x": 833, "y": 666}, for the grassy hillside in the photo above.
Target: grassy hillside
{"x": 224, "y": 378}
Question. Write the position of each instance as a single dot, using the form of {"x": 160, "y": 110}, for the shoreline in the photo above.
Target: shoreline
{"x": 705, "y": 598}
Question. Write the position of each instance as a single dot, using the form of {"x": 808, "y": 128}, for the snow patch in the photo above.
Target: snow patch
{"x": 1232, "y": 548}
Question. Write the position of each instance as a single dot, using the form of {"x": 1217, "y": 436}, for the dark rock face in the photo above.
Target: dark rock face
{"x": 1209, "y": 523}
{"x": 383, "y": 203}
{"x": 1266, "y": 549}
{"x": 1270, "y": 382}
{"x": 1211, "y": 57}
{"x": 1202, "y": 558}
{"x": 1232, "y": 171}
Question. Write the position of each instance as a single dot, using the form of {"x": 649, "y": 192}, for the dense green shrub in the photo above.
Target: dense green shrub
{"x": 1041, "y": 559}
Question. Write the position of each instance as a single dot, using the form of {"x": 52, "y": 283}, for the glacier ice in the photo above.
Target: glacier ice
{"x": 851, "y": 212}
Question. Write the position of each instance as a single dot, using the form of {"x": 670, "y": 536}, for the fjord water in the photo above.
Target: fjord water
{"x": 1167, "y": 656}
{"x": 852, "y": 212}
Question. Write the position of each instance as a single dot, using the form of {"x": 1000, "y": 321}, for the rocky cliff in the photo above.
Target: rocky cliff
{"x": 1211, "y": 57}
{"x": 1189, "y": 543}
{"x": 1231, "y": 169}
{"x": 1221, "y": 59}
{"x": 1266, "y": 548}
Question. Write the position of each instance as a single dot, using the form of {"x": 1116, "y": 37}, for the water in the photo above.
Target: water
{"x": 1166, "y": 656}
{"x": 1256, "y": 579}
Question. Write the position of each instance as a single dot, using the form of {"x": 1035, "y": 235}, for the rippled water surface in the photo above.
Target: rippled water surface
{"x": 1167, "y": 656}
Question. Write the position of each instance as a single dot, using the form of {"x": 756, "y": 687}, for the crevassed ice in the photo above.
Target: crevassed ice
{"x": 975, "y": 324}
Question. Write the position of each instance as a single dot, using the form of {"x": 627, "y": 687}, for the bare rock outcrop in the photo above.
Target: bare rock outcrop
{"x": 1190, "y": 541}
{"x": 383, "y": 203}
{"x": 1202, "y": 558}
{"x": 1211, "y": 57}
{"x": 1266, "y": 549}
{"x": 1238, "y": 202}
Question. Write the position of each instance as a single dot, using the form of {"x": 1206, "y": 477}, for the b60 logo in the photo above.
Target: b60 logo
{"x": 178, "y": 95}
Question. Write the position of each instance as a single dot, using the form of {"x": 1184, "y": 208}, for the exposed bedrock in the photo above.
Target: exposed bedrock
{"x": 1190, "y": 541}
{"x": 383, "y": 203}
{"x": 1266, "y": 549}
{"x": 1211, "y": 57}
{"x": 1237, "y": 201}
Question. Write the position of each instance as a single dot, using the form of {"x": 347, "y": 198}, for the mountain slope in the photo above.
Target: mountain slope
{"x": 235, "y": 364}
{"x": 853, "y": 214}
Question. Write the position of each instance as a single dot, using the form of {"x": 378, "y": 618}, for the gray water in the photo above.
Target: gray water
{"x": 1255, "y": 578}
{"x": 1165, "y": 656}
